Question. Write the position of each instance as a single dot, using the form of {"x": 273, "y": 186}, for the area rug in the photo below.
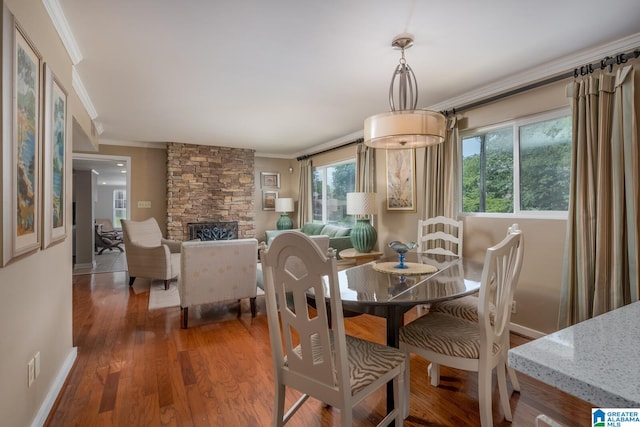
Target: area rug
{"x": 161, "y": 298}
{"x": 141, "y": 285}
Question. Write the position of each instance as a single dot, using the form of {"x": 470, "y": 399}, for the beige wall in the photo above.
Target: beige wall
{"x": 35, "y": 309}
{"x": 149, "y": 162}
{"x": 266, "y": 220}
{"x": 148, "y": 180}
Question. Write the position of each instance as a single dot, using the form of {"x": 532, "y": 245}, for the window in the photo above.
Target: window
{"x": 119, "y": 207}
{"x": 330, "y": 185}
{"x": 521, "y": 167}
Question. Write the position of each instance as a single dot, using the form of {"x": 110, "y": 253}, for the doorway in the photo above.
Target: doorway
{"x": 101, "y": 189}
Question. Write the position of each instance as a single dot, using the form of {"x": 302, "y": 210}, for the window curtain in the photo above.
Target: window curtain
{"x": 304, "y": 202}
{"x": 440, "y": 180}
{"x": 601, "y": 257}
{"x": 366, "y": 169}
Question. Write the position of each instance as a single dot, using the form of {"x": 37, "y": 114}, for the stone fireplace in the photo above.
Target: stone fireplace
{"x": 206, "y": 183}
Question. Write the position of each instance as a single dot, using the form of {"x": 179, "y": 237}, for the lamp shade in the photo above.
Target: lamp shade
{"x": 361, "y": 204}
{"x": 404, "y": 129}
{"x": 284, "y": 204}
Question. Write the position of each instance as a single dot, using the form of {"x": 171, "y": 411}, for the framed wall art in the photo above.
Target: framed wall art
{"x": 401, "y": 180}
{"x": 270, "y": 179}
{"x": 21, "y": 146}
{"x": 269, "y": 200}
{"x": 54, "y": 152}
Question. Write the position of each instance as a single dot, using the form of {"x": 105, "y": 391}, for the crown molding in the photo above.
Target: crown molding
{"x": 141, "y": 144}
{"x": 64, "y": 31}
{"x": 542, "y": 71}
{"x": 99, "y": 127}
{"x": 320, "y": 147}
{"x": 77, "y": 84}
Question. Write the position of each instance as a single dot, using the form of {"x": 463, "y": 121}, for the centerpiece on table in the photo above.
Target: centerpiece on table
{"x": 404, "y": 268}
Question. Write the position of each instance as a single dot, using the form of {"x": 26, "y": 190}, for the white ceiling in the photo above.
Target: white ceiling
{"x": 107, "y": 171}
{"x": 286, "y": 77}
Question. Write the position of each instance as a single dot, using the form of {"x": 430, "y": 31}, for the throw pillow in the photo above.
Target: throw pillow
{"x": 312, "y": 229}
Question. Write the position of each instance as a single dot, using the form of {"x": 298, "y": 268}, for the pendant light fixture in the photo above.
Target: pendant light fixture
{"x": 404, "y": 126}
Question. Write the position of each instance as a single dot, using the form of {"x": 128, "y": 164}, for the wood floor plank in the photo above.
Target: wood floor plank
{"x": 219, "y": 372}
{"x": 109, "y": 393}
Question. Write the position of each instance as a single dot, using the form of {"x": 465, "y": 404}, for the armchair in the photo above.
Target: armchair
{"x": 216, "y": 271}
{"x": 148, "y": 253}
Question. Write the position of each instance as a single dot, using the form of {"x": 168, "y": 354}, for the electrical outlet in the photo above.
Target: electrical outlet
{"x": 513, "y": 307}
{"x": 31, "y": 372}
{"x": 36, "y": 365}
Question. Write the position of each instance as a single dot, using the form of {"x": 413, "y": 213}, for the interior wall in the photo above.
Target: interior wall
{"x": 104, "y": 204}
{"x": 36, "y": 309}
{"x": 148, "y": 179}
{"x": 152, "y": 161}
{"x": 83, "y": 127}
{"x": 289, "y": 183}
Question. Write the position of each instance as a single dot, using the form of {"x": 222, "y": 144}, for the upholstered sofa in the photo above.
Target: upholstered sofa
{"x": 339, "y": 237}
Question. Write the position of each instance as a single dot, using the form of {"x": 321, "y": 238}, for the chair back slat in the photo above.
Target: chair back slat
{"x": 499, "y": 279}
{"x": 440, "y": 235}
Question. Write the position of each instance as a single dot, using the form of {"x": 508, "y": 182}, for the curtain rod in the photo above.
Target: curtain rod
{"x": 608, "y": 61}
{"x": 355, "y": 141}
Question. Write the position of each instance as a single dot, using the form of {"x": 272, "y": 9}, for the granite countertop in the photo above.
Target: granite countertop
{"x": 597, "y": 360}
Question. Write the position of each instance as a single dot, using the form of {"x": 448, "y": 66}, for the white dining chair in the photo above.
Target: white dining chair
{"x": 440, "y": 235}
{"x": 475, "y": 346}
{"x": 467, "y": 308}
{"x": 322, "y": 362}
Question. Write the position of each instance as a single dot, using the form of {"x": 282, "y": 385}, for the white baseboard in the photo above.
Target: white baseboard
{"x": 52, "y": 395}
{"x": 84, "y": 266}
{"x": 527, "y": 332}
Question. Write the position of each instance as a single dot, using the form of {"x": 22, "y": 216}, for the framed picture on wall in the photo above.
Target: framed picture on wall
{"x": 269, "y": 200}
{"x": 54, "y": 152}
{"x": 401, "y": 180}
{"x": 21, "y": 163}
{"x": 270, "y": 179}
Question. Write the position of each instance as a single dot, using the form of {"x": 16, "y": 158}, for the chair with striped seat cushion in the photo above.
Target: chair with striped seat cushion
{"x": 319, "y": 361}
{"x": 439, "y": 235}
{"x": 467, "y": 308}
{"x": 477, "y": 346}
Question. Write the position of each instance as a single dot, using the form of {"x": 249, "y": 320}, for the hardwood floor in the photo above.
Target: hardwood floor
{"x": 138, "y": 367}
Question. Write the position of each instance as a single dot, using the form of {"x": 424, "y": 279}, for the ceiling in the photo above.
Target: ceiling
{"x": 287, "y": 77}
{"x": 108, "y": 171}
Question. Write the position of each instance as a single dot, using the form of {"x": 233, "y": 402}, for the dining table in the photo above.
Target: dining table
{"x": 365, "y": 289}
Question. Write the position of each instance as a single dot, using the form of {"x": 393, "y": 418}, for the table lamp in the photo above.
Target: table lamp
{"x": 284, "y": 205}
{"x": 363, "y": 235}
